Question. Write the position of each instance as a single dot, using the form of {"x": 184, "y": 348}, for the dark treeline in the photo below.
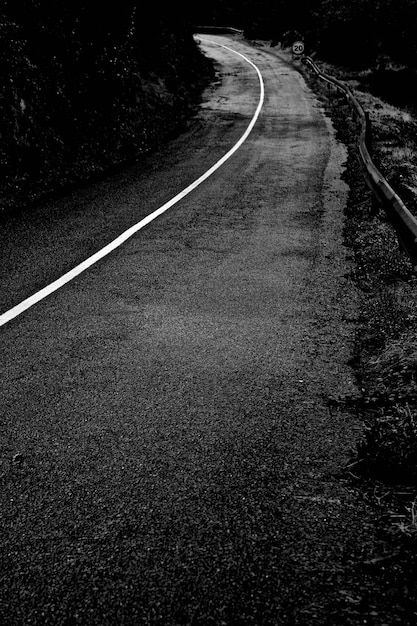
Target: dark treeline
{"x": 355, "y": 32}
{"x": 87, "y": 84}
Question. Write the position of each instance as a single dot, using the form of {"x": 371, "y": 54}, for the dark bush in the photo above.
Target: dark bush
{"x": 85, "y": 86}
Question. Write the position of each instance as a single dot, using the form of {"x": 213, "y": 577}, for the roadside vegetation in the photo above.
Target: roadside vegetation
{"x": 386, "y": 346}
{"x": 85, "y": 87}
{"x": 384, "y": 462}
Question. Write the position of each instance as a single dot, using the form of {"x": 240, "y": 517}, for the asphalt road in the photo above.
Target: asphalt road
{"x": 168, "y": 451}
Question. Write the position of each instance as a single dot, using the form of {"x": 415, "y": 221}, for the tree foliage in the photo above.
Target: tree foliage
{"x": 357, "y": 32}
{"x": 84, "y": 77}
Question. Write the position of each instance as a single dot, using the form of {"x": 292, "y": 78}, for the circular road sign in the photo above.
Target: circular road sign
{"x": 298, "y": 47}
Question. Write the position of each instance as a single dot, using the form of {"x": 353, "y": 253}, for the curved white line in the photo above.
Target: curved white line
{"x": 66, "y": 278}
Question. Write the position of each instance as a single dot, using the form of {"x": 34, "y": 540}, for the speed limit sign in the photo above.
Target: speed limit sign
{"x": 298, "y": 47}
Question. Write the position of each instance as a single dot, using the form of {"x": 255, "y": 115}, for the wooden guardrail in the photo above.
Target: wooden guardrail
{"x": 402, "y": 219}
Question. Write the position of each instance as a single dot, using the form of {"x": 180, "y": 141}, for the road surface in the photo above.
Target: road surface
{"x": 169, "y": 454}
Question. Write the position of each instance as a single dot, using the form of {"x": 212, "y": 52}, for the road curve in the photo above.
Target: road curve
{"x": 169, "y": 454}
{"x": 46, "y": 291}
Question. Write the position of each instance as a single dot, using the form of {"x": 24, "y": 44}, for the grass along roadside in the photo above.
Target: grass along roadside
{"x": 386, "y": 342}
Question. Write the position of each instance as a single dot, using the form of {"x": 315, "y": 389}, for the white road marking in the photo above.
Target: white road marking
{"x": 76, "y": 271}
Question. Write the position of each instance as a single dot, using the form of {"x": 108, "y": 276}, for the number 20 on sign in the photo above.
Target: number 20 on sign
{"x": 298, "y": 47}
